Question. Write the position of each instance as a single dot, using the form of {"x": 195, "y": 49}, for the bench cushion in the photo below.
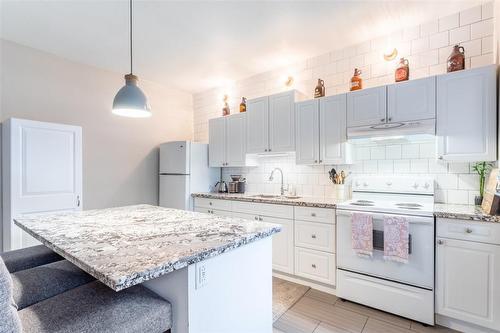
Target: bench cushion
{"x": 9, "y": 319}
{"x": 96, "y": 308}
{"x": 29, "y": 257}
{"x": 33, "y": 285}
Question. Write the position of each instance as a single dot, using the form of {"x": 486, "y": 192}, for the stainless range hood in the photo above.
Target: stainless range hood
{"x": 427, "y": 126}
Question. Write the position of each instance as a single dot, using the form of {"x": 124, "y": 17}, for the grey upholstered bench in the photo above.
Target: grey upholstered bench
{"x": 29, "y": 257}
{"x": 92, "y": 307}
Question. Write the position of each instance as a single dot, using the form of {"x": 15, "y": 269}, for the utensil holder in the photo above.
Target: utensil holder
{"x": 342, "y": 191}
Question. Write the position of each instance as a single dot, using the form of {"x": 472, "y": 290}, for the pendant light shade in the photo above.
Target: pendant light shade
{"x": 130, "y": 101}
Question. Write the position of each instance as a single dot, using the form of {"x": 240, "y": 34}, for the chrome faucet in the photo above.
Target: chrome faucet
{"x": 282, "y": 189}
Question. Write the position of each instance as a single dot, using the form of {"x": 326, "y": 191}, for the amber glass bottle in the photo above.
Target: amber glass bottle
{"x": 243, "y": 104}
{"x": 456, "y": 60}
{"x": 356, "y": 80}
{"x": 402, "y": 71}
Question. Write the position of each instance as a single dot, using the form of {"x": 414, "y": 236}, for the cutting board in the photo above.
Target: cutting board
{"x": 491, "y": 200}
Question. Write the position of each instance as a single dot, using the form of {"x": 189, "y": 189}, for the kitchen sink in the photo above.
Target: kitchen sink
{"x": 272, "y": 196}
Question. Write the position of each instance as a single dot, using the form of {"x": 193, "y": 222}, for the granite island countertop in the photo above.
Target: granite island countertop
{"x": 300, "y": 201}
{"x": 125, "y": 246}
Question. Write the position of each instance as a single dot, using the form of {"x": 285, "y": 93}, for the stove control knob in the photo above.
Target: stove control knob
{"x": 388, "y": 183}
{"x": 356, "y": 184}
{"x": 365, "y": 184}
{"x": 427, "y": 185}
{"x": 415, "y": 186}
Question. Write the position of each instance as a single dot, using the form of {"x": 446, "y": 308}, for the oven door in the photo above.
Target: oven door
{"x": 419, "y": 271}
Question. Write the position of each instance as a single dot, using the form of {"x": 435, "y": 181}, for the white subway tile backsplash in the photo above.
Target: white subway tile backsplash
{"x": 458, "y": 167}
{"x": 487, "y": 45}
{"x": 468, "y": 182}
{"x": 370, "y": 167}
{"x": 460, "y": 35}
{"x": 402, "y": 166}
{"x": 458, "y": 197}
{"x": 487, "y": 10}
{"x": 411, "y": 33}
{"x": 481, "y": 29}
{"x": 481, "y": 60}
{"x": 429, "y": 28}
{"x": 472, "y": 48}
{"x": 449, "y": 22}
{"x": 419, "y": 166}
{"x": 393, "y": 152}
{"x": 427, "y": 150}
{"x": 438, "y": 40}
{"x": 385, "y": 166}
{"x": 447, "y": 182}
{"x": 377, "y": 153}
{"x": 419, "y": 45}
{"x": 437, "y": 166}
{"x": 411, "y": 151}
{"x": 470, "y": 15}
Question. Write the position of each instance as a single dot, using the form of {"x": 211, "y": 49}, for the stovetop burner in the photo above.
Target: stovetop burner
{"x": 365, "y": 203}
{"x": 409, "y": 205}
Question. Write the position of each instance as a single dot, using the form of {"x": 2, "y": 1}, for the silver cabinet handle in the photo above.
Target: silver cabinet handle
{"x": 313, "y": 236}
{"x": 440, "y": 157}
{"x": 468, "y": 230}
{"x": 313, "y": 214}
{"x": 210, "y": 203}
{"x": 256, "y": 218}
{"x": 269, "y": 149}
{"x": 261, "y": 219}
{"x": 77, "y": 201}
{"x": 313, "y": 265}
{"x": 320, "y": 161}
{"x": 440, "y": 241}
{"x": 389, "y": 119}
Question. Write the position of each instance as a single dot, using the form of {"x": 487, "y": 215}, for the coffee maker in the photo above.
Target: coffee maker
{"x": 237, "y": 185}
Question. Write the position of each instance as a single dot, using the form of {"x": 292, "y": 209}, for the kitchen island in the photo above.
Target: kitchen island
{"x": 215, "y": 271}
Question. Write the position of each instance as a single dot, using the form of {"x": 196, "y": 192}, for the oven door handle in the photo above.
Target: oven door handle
{"x": 378, "y": 216}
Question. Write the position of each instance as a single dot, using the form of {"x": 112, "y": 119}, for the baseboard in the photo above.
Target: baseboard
{"x": 306, "y": 282}
{"x": 462, "y": 326}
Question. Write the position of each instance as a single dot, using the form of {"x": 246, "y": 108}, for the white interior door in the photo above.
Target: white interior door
{"x": 42, "y": 173}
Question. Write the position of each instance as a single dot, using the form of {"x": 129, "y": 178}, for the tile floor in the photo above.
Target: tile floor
{"x": 317, "y": 312}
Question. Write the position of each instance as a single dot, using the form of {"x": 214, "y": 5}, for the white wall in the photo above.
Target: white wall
{"x": 427, "y": 47}
{"x": 120, "y": 156}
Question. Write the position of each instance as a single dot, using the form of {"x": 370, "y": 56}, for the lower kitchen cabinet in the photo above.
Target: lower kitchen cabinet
{"x": 468, "y": 273}
{"x": 305, "y": 248}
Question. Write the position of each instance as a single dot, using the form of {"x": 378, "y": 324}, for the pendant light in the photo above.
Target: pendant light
{"x": 130, "y": 101}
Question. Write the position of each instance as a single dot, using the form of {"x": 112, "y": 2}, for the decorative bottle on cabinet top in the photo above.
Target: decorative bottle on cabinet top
{"x": 456, "y": 60}
{"x": 243, "y": 104}
{"x": 225, "y": 109}
{"x": 319, "y": 91}
{"x": 402, "y": 71}
{"x": 356, "y": 80}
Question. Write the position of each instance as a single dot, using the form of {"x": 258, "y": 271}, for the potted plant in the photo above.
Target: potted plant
{"x": 482, "y": 168}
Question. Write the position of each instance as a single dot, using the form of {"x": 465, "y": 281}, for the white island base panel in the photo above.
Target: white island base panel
{"x": 235, "y": 296}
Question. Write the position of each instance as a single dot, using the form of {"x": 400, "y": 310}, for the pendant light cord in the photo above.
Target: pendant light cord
{"x": 131, "y": 55}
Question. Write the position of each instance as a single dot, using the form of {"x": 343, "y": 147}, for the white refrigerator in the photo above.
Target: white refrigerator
{"x": 184, "y": 170}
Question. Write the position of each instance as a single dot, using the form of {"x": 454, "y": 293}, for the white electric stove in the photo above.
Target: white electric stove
{"x": 403, "y": 289}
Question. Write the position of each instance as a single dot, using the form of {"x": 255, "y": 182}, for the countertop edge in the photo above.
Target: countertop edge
{"x": 153, "y": 273}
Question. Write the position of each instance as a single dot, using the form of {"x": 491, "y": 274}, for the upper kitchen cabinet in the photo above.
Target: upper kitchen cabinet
{"x": 366, "y": 107}
{"x": 258, "y": 125}
{"x": 412, "y": 100}
{"x": 321, "y": 131}
{"x": 227, "y": 145}
{"x": 271, "y": 123}
{"x": 466, "y": 115}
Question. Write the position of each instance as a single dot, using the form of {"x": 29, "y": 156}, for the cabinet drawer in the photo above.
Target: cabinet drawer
{"x": 323, "y": 215}
{"x": 483, "y": 232}
{"x": 213, "y": 203}
{"x": 315, "y": 236}
{"x": 213, "y": 211}
{"x": 281, "y": 211}
{"x": 315, "y": 265}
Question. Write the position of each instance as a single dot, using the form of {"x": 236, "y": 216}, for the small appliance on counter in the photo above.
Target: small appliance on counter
{"x": 237, "y": 185}
{"x": 221, "y": 187}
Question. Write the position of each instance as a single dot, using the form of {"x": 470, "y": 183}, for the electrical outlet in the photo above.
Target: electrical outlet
{"x": 201, "y": 275}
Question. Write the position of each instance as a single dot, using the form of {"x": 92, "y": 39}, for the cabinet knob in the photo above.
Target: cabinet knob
{"x": 468, "y": 230}
{"x": 265, "y": 149}
{"x": 313, "y": 265}
{"x": 389, "y": 119}
{"x": 440, "y": 157}
{"x": 256, "y": 218}
{"x": 313, "y": 236}
{"x": 320, "y": 161}
{"x": 440, "y": 241}
{"x": 315, "y": 161}
{"x": 210, "y": 203}
{"x": 261, "y": 219}
{"x": 313, "y": 214}
{"x": 382, "y": 120}
{"x": 269, "y": 149}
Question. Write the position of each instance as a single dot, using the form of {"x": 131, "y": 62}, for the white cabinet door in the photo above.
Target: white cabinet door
{"x": 236, "y": 140}
{"x": 412, "y": 100}
{"x": 282, "y": 122}
{"x": 307, "y": 132}
{"x": 466, "y": 115}
{"x": 366, "y": 107}
{"x": 258, "y": 125}
{"x": 333, "y": 136}
{"x": 468, "y": 282}
{"x": 217, "y": 142}
{"x": 282, "y": 245}
{"x": 42, "y": 172}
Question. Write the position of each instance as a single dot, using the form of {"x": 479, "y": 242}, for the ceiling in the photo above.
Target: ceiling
{"x": 196, "y": 45}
